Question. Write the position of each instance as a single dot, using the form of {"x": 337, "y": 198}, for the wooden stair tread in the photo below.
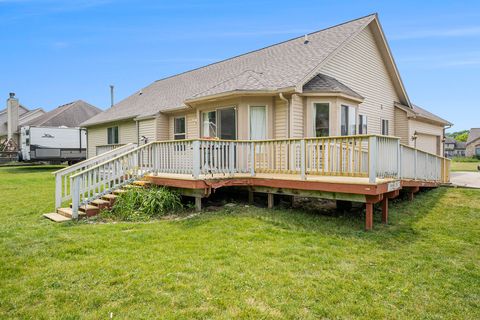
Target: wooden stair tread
{"x": 109, "y": 196}
{"x": 56, "y": 217}
{"x": 118, "y": 191}
{"x": 100, "y": 202}
{"x": 67, "y": 212}
{"x": 142, "y": 183}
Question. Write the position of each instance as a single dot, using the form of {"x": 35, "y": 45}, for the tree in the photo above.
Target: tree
{"x": 462, "y": 137}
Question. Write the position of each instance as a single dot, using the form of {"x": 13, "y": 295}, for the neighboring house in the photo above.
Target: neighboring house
{"x": 69, "y": 115}
{"x": 473, "y": 143}
{"x": 23, "y": 116}
{"x": 454, "y": 148}
{"x": 338, "y": 81}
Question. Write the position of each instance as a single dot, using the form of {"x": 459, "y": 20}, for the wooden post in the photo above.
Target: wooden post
{"x": 198, "y": 204}
{"x": 196, "y": 159}
{"x": 250, "y": 196}
{"x": 372, "y": 159}
{"x": 270, "y": 200}
{"x": 75, "y": 187}
{"x": 303, "y": 159}
{"x": 410, "y": 195}
{"x": 368, "y": 216}
{"x": 385, "y": 210}
{"x": 252, "y": 159}
{"x": 58, "y": 190}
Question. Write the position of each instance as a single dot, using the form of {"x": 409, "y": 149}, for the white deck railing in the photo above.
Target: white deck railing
{"x": 62, "y": 177}
{"x": 353, "y": 156}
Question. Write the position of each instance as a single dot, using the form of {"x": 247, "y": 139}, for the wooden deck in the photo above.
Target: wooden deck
{"x": 367, "y": 169}
{"x": 354, "y": 189}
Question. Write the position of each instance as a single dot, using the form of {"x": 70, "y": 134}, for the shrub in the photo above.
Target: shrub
{"x": 144, "y": 203}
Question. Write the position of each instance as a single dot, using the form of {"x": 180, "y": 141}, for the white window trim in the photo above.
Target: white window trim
{"x": 358, "y": 122}
{"x": 313, "y": 116}
{"x": 381, "y": 126}
{"x": 118, "y": 135}
{"x": 355, "y": 107}
{"x": 233, "y": 106}
{"x": 186, "y": 129}
{"x": 266, "y": 118}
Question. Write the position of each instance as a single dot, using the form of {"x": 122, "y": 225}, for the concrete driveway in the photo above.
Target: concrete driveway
{"x": 465, "y": 179}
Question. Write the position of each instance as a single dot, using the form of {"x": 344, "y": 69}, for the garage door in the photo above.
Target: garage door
{"x": 428, "y": 143}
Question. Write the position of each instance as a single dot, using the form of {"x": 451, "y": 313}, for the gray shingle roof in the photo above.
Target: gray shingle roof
{"x": 69, "y": 115}
{"x": 324, "y": 83}
{"x": 279, "y": 66}
{"x": 473, "y": 135}
{"x": 428, "y": 115}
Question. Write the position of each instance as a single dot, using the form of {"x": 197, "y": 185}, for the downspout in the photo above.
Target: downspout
{"x": 280, "y": 95}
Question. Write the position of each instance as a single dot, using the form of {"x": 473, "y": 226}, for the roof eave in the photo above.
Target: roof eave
{"x": 332, "y": 94}
{"x": 86, "y": 124}
{"x": 233, "y": 93}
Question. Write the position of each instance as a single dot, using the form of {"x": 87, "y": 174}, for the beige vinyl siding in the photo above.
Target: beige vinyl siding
{"x": 162, "y": 127}
{"x": 427, "y": 131}
{"x": 360, "y": 66}
{"x": 97, "y": 135}
{"x": 401, "y": 126}
{"x": 297, "y": 118}
{"x": 280, "y": 119}
{"x": 147, "y": 128}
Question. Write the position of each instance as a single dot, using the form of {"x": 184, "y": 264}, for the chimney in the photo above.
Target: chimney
{"x": 12, "y": 115}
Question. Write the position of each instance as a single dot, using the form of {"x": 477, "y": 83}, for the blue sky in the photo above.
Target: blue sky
{"x": 53, "y": 52}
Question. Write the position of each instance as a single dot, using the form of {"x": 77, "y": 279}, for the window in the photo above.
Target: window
{"x": 322, "y": 119}
{"x": 362, "y": 124}
{"x": 209, "y": 128}
{"x": 258, "y": 123}
{"x": 227, "y": 125}
{"x": 220, "y": 123}
{"x": 179, "y": 128}
{"x": 384, "y": 127}
{"x": 112, "y": 135}
{"x": 348, "y": 123}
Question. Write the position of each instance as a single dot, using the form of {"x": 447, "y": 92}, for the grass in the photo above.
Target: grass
{"x": 464, "y": 165}
{"x": 239, "y": 262}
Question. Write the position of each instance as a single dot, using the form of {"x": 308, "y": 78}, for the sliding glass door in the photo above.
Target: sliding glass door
{"x": 227, "y": 124}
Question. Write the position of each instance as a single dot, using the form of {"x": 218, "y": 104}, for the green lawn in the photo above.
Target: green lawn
{"x": 239, "y": 263}
{"x": 464, "y": 166}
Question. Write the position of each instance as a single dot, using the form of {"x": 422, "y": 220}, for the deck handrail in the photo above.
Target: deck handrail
{"x": 372, "y": 156}
{"x": 62, "y": 176}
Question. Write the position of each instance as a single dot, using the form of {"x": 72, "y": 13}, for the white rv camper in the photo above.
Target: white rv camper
{"x": 52, "y": 144}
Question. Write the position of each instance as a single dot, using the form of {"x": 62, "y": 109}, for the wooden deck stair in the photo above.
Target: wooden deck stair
{"x": 94, "y": 207}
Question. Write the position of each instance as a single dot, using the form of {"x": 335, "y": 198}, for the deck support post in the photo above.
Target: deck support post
{"x": 372, "y": 159}
{"x": 368, "y": 216}
{"x": 270, "y": 200}
{"x": 198, "y": 204}
{"x": 250, "y": 196}
{"x": 385, "y": 210}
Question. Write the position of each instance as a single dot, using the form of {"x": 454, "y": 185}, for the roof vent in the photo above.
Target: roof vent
{"x": 12, "y": 95}
{"x": 305, "y": 39}
{"x": 140, "y": 92}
